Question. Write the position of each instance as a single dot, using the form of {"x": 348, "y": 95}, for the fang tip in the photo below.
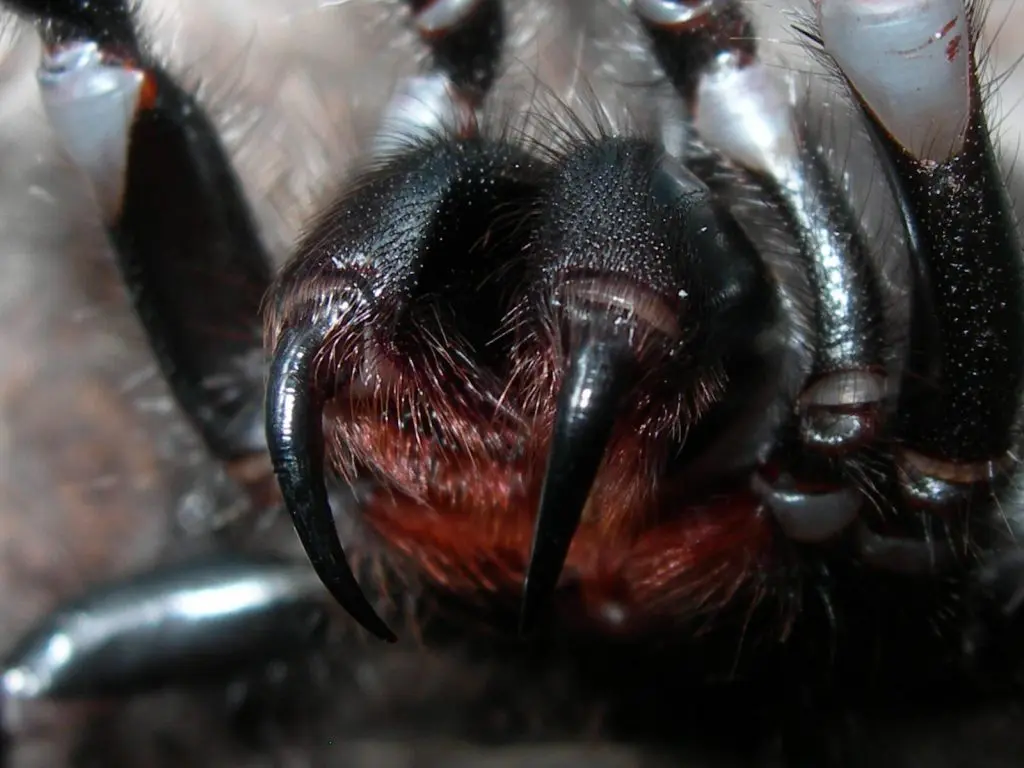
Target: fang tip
{"x": 599, "y": 374}
{"x": 295, "y": 439}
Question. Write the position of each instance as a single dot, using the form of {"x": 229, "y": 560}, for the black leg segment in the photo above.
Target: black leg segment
{"x": 961, "y": 394}
{"x": 185, "y": 240}
{"x": 466, "y": 38}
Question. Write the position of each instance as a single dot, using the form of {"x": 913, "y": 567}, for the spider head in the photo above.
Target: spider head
{"x": 514, "y": 352}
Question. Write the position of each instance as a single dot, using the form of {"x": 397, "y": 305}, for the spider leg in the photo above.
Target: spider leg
{"x": 466, "y": 38}
{"x": 192, "y": 262}
{"x": 960, "y": 396}
{"x": 466, "y": 41}
{"x": 737, "y": 105}
{"x": 956, "y": 420}
{"x": 204, "y": 621}
{"x": 185, "y": 241}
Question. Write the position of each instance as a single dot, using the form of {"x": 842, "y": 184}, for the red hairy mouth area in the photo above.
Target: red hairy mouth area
{"x": 644, "y": 554}
{"x": 670, "y": 573}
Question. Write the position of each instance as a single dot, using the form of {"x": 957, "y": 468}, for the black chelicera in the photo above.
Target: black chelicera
{"x": 658, "y": 398}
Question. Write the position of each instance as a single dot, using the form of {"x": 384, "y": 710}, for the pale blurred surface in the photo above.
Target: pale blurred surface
{"x": 98, "y": 475}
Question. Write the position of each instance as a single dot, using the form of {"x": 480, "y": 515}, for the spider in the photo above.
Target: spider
{"x": 602, "y": 397}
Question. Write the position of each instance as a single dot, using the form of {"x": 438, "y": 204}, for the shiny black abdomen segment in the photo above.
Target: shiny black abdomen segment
{"x": 199, "y": 621}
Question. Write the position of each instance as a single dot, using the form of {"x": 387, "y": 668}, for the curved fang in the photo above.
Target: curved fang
{"x": 295, "y": 438}
{"x": 600, "y": 373}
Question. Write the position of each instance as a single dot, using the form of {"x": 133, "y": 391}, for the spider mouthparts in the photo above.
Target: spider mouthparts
{"x": 295, "y": 438}
{"x": 600, "y": 373}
